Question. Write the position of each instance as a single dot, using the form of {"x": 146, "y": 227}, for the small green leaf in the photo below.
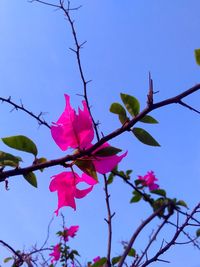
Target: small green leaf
{"x": 22, "y": 143}
{"x": 144, "y": 137}
{"x": 136, "y": 197}
{"x": 107, "y": 151}
{"x": 159, "y": 192}
{"x": 39, "y": 161}
{"x": 182, "y": 203}
{"x": 132, "y": 252}
{"x": 197, "y": 56}
{"x": 31, "y": 178}
{"x": 148, "y": 119}
{"x": 110, "y": 178}
{"x": 99, "y": 263}
{"x": 131, "y": 104}
{"x": 7, "y": 259}
{"x": 118, "y": 109}
{"x": 7, "y": 159}
{"x": 116, "y": 260}
{"x": 198, "y": 232}
{"x": 87, "y": 166}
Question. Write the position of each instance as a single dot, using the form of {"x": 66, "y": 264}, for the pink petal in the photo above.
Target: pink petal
{"x": 56, "y": 253}
{"x": 82, "y": 193}
{"x": 87, "y": 179}
{"x": 63, "y": 131}
{"x": 65, "y": 185}
{"x": 106, "y": 164}
{"x": 72, "y": 230}
{"x": 72, "y": 130}
{"x": 84, "y": 127}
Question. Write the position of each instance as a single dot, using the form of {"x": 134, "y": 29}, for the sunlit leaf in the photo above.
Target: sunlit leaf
{"x": 118, "y": 109}
{"x": 116, "y": 260}
{"x": 181, "y": 203}
{"x": 110, "y": 178}
{"x": 148, "y": 119}
{"x": 197, "y": 56}
{"x": 7, "y": 259}
{"x": 144, "y": 137}
{"x": 132, "y": 252}
{"x": 136, "y": 197}
{"x": 159, "y": 192}
{"x": 87, "y": 166}
{"x": 131, "y": 104}
{"x": 31, "y": 178}
{"x": 7, "y": 159}
{"x": 21, "y": 142}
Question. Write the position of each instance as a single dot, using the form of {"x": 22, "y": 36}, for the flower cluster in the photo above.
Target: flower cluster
{"x": 68, "y": 232}
{"x": 149, "y": 180}
{"x": 75, "y": 130}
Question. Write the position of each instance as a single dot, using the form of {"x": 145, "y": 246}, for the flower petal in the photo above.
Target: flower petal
{"x": 82, "y": 193}
{"x": 106, "y": 164}
{"x": 72, "y": 130}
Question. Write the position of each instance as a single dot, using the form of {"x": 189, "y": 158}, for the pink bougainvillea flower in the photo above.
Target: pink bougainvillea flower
{"x": 55, "y": 254}
{"x": 70, "y": 232}
{"x": 65, "y": 184}
{"x": 96, "y": 259}
{"x": 72, "y": 129}
{"x": 106, "y": 164}
{"x": 149, "y": 180}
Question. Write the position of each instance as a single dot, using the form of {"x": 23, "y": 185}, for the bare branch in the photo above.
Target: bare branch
{"x": 21, "y": 107}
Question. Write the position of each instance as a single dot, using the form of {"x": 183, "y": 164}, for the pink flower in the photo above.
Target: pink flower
{"x": 71, "y": 231}
{"x": 65, "y": 184}
{"x": 73, "y": 130}
{"x": 149, "y": 180}
{"x": 56, "y": 253}
{"x": 96, "y": 259}
{"x": 105, "y": 164}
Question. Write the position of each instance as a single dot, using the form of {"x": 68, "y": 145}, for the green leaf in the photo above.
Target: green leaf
{"x": 182, "y": 203}
{"x": 22, "y": 143}
{"x": 132, "y": 252}
{"x": 197, "y": 56}
{"x": 144, "y": 137}
{"x": 110, "y": 178}
{"x": 7, "y": 159}
{"x": 118, "y": 109}
{"x": 148, "y": 119}
{"x": 7, "y": 259}
{"x": 131, "y": 104}
{"x": 159, "y": 192}
{"x": 99, "y": 263}
{"x": 136, "y": 197}
{"x": 39, "y": 161}
{"x": 87, "y": 166}
{"x": 31, "y": 178}
{"x": 107, "y": 151}
{"x": 116, "y": 260}
{"x": 198, "y": 232}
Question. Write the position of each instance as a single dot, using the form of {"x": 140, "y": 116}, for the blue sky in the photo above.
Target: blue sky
{"x": 125, "y": 40}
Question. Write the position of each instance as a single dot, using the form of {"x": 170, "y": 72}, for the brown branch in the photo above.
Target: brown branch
{"x": 21, "y": 107}
{"x": 126, "y": 127}
{"x": 137, "y": 232}
{"x": 19, "y": 256}
{"x": 152, "y": 240}
{"x": 172, "y": 242}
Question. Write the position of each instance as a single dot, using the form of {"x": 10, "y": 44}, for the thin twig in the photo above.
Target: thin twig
{"x": 172, "y": 242}
{"x": 21, "y": 107}
{"x": 137, "y": 232}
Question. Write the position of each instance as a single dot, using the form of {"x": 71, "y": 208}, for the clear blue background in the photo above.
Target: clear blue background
{"x": 125, "y": 40}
